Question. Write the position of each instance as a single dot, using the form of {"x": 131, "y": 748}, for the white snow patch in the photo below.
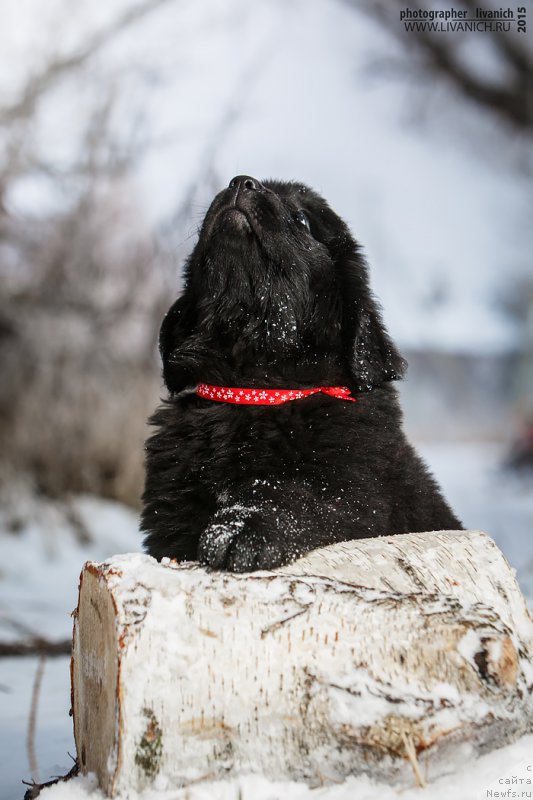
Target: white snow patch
{"x": 469, "y": 645}
{"x": 471, "y": 782}
{"x": 41, "y": 563}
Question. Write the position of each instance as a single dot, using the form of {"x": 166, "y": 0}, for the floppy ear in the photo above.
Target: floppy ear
{"x": 371, "y": 355}
{"x": 176, "y": 327}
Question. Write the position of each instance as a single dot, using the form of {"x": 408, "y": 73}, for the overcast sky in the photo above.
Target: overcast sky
{"x": 432, "y": 190}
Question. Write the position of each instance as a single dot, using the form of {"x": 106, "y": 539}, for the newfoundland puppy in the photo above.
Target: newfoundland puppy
{"x": 282, "y": 430}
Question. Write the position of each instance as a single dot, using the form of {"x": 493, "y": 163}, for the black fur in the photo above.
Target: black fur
{"x": 270, "y": 302}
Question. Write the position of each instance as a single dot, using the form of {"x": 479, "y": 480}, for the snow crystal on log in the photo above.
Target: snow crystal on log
{"x": 378, "y": 656}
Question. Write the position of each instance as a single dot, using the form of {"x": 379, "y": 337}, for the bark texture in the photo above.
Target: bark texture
{"x": 361, "y": 657}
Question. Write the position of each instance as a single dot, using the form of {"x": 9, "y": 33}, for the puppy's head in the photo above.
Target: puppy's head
{"x": 275, "y": 277}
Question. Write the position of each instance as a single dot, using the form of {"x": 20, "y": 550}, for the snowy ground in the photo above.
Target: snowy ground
{"x": 38, "y": 589}
{"x": 38, "y": 586}
{"x": 486, "y": 774}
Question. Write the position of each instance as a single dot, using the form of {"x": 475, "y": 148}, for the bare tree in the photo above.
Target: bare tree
{"x": 80, "y": 291}
{"x": 508, "y": 95}
{"x": 86, "y": 287}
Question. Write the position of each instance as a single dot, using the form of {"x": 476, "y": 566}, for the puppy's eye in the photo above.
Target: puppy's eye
{"x": 302, "y": 219}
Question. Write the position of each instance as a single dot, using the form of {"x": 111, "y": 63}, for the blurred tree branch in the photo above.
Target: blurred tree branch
{"x": 80, "y": 291}
{"x": 61, "y": 65}
{"x": 87, "y": 278}
{"x": 38, "y": 646}
{"x": 16, "y": 117}
{"x": 439, "y": 55}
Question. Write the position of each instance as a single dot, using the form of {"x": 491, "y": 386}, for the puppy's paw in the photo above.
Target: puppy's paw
{"x": 241, "y": 539}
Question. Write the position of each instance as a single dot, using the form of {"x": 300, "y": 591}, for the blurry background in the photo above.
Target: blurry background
{"x": 118, "y": 122}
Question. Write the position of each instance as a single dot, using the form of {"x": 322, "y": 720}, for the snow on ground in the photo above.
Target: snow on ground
{"x": 38, "y": 590}
{"x": 42, "y": 561}
{"x": 472, "y": 783}
{"x": 54, "y": 738}
{"x": 488, "y": 497}
{"x": 38, "y": 587}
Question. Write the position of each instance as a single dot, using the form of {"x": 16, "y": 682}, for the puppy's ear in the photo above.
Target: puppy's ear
{"x": 176, "y": 327}
{"x": 371, "y": 355}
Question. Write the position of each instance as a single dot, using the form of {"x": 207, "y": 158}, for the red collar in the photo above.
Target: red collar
{"x": 266, "y": 397}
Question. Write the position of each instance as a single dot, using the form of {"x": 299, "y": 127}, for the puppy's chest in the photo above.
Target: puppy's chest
{"x": 226, "y": 445}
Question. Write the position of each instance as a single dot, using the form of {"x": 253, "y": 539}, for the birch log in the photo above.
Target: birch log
{"x": 375, "y": 656}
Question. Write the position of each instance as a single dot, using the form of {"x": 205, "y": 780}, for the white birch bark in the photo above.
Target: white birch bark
{"x": 351, "y": 660}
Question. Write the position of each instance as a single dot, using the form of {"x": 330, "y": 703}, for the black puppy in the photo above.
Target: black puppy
{"x": 239, "y": 475}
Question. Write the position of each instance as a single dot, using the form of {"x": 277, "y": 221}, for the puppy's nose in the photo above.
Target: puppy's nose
{"x": 245, "y": 183}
